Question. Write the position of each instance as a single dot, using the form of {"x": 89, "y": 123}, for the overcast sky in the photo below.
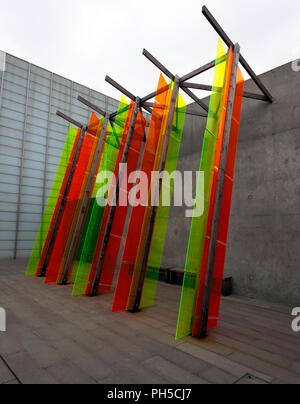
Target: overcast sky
{"x": 86, "y": 39}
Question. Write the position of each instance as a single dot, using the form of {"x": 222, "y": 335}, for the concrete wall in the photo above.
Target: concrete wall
{"x": 264, "y": 241}
{"x": 31, "y": 141}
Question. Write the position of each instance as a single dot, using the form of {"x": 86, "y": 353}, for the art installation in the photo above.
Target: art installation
{"x": 128, "y": 157}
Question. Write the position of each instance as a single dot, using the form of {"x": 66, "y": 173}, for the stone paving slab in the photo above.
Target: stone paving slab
{"x": 54, "y": 338}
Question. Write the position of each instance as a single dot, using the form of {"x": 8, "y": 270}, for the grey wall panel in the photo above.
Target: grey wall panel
{"x": 6, "y": 245}
{"x": 8, "y": 188}
{"x": 13, "y": 170}
{"x": 7, "y": 225}
{"x": 31, "y": 141}
{"x": 7, "y": 235}
{"x": 7, "y": 123}
{"x": 7, "y": 207}
{"x": 8, "y": 178}
{"x": 11, "y": 87}
{"x": 31, "y": 218}
{"x": 15, "y": 106}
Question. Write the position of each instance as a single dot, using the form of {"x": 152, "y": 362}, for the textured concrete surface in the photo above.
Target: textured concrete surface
{"x": 54, "y": 338}
{"x": 263, "y": 252}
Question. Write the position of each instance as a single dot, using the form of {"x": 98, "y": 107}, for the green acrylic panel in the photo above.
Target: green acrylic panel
{"x": 85, "y": 254}
{"x": 198, "y": 227}
{"x": 162, "y": 215}
{"x": 51, "y": 203}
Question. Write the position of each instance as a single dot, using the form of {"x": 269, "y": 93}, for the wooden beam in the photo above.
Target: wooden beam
{"x": 91, "y": 106}
{"x": 155, "y": 93}
{"x": 254, "y": 96}
{"x": 150, "y": 105}
{"x": 70, "y": 120}
{"x": 160, "y": 66}
{"x": 120, "y": 88}
{"x": 195, "y": 98}
{"x": 205, "y": 87}
{"x": 203, "y": 69}
{"x": 243, "y": 62}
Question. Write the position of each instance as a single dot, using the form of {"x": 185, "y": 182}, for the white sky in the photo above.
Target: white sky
{"x": 86, "y": 39}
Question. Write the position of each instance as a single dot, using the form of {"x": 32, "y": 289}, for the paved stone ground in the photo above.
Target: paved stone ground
{"x": 53, "y": 337}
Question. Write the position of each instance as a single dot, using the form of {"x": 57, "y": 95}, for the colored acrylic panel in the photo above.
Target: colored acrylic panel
{"x": 86, "y": 250}
{"x": 95, "y": 129}
{"x": 52, "y": 203}
{"x": 72, "y": 208}
{"x": 162, "y": 215}
{"x": 212, "y": 137}
{"x": 138, "y": 211}
{"x": 114, "y": 244}
{"x": 212, "y": 196}
{"x": 110, "y": 200}
{"x": 215, "y": 300}
{"x": 147, "y": 216}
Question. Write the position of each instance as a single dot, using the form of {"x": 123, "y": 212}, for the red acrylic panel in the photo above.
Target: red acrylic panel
{"x": 58, "y": 204}
{"x": 220, "y": 258}
{"x": 108, "y": 207}
{"x": 138, "y": 213}
{"x": 213, "y": 195}
{"x": 114, "y": 244}
{"x": 215, "y": 300}
{"x": 65, "y": 226}
{"x": 232, "y": 149}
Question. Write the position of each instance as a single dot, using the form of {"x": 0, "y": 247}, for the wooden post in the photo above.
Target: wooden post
{"x": 113, "y": 209}
{"x": 219, "y": 197}
{"x": 63, "y": 204}
{"x": 85, "y": 204}
{"x": 150, "y": 228}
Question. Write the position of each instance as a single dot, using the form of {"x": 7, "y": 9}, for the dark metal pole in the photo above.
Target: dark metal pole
{"x": 155, "y": 93}
{"x": 196, "y": 99}
{"x": 158, "y": 64}
{"x": 229, "y": 43}
{"x": 70, "y": 120}
{"x": 194, "y": 113}
{"x": 205, "y": 87}
{"x": 120, "y": 88}
{"x": 255, "y": 96}
{"x": 151, "y": 105}
{"x": 113, "y": 115}
{"x": 85, "y": 204}
{"x": 172, "y": 77}
{"x": 203, "y": 69}
{"x": 150, "y": 228}
{"x": 65, "y": 194}
{"x": 219, "y": 196}
{"x": 97, "y": 276}
{"x": 92, "y": 106}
